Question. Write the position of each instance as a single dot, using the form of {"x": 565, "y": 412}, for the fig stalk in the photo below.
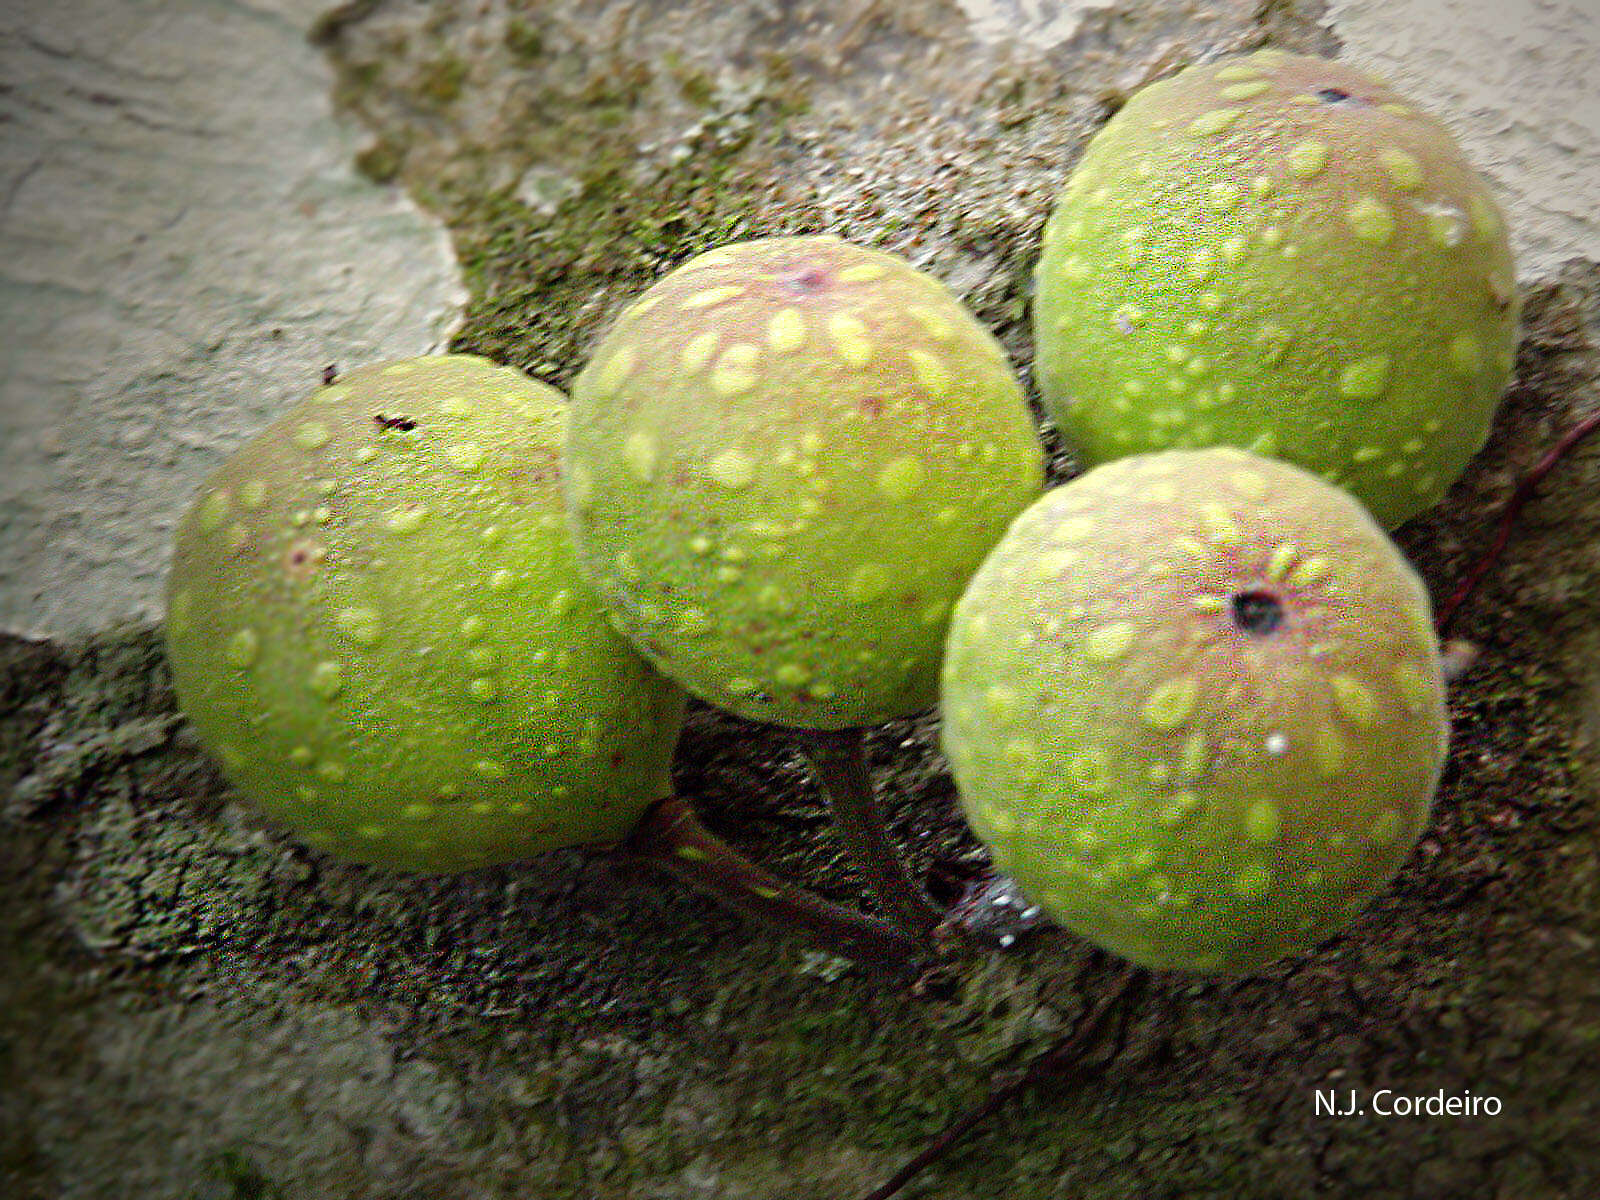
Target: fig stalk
{"x": 838, "y": 760}
{"x": 673, "y": 839}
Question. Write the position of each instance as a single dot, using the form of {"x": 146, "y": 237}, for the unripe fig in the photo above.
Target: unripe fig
{"x": 786, "y": 459}
{"x": 1193, "y": 705}
{"x": 1279, "y": 253}
{"x": 376, "y": 624}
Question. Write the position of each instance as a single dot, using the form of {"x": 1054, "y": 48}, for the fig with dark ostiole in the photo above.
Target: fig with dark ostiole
{"x": 1193, "y": 705}
{"x": 1279, "y": 253}
{"x": 786, "y": 460}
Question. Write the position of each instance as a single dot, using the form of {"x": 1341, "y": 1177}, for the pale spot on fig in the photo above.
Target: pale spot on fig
{"x": 710, "y": 297}
{"x": 326, "y": 679}
{"x": 1371, "y": 220}
{"x": 786, "y": 331}
{"x": 733, "y": 469}
{"x": 1252, "y": 882}
{"x": 360, "y": 624}
{"x": 697, "y": 351}
{"x": 1365, "y": 378}
{"x": 465, "y": 457}
{"x": 244, "y": 647}
{"x": 862, "y": 272}
{"x": 1306, "y": 159}
{"x": 1354, "y": 700}
{"x": 639, "y": 453}
{"x": 899, "y": 478}
{"x": 1170, "y": 703}
{"x": 1109, "y": 642}
{"x": 1262, "y": 822}
{"x": 213, "y": 511}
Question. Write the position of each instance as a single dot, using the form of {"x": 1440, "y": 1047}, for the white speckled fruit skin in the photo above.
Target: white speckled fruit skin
{"x": 1162, "y": 779}
{"x": 376, "y": 624}
{"x": 1279, "y": 253}
{"x": 785, "y": 461}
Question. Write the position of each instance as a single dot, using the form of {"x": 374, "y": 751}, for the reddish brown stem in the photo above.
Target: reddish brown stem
{"x": 1508, "y": 517}
{"x": 839, "y": 761}
{"x": 1064, "y": 1054}
{"x": 672, "y": 837}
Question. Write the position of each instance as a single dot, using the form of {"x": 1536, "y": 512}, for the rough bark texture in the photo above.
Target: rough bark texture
{"x": 193, "y": 1006}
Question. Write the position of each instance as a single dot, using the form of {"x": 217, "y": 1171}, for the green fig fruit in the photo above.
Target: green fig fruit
{"x": 1193, "y": 705}
{"x": 786, "y": 460}
{"x": 1279, "y": 253}
{"x": 375, "y": 622}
